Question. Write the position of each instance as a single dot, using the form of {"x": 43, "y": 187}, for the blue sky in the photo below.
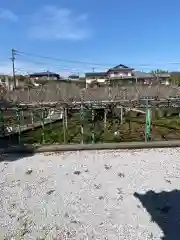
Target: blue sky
{"x": 107, "y": 32}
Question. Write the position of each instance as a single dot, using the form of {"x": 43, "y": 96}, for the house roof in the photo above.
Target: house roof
{"x": 96, "y": 74}
{"x": 162, "y": 75}
{"x": 139, "y": 74}
{"x": 44, "y": 74}
{"x": 74, "y": 76}
{"x": 175, "y": 74}
{"x": 120, "y": 67}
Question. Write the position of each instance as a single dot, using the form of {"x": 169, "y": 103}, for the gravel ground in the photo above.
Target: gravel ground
{"x": 84, "y": 195}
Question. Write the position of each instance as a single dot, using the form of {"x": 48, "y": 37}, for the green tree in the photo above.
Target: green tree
{"x": 158, "y": 71}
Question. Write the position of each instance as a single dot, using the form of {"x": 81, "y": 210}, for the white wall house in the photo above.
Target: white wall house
{"x": 120, "y": 71}
{"x": 7, "y": 82}
{"x": 126, "y": 75}
{"x": 96, "y": 77}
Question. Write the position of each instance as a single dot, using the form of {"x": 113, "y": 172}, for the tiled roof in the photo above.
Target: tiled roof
{"x": 138, "y": 74}
{"x": 96, "y": 74}
{"x": 120, "y": 67}
{"x": 44, "y": 74}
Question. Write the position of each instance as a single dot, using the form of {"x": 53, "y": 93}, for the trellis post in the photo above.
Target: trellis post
{"x": 121, "y": 114}
{"x": 32, "y": 119}
{"x": 82, "y": 121}
{"x": 19, "y": 124}
{"x": 105, "y": 117}
{"x": 22, "y": 117}
{"x": 148, "y": 122}
{"x": 92, "y": 113}
{"x": 42, "y": 124}
{"x": 66, "y": 120}
{"x": 64, "y": 127}
{"x": 2, "y": 122}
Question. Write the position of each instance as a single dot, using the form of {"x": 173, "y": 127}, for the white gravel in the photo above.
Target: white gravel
{"x": 84, "y": 195}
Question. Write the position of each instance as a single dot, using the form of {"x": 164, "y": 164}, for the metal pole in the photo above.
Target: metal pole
{"x": 13, "y": 52}
{"x": 64, "y": 128}
{"x": 121, "y": 115}
{"x": 42, "y": 124}
{"x": 22, "y": 117}
{"x": 66, "y": 120}
{"x": 148, "y": 122}
{"x": 19, "y": 125}
{"x": 92, "y": 124}
{"x": 28, "y": 92}
{"x": 105, "y": 117}
{"x": 32, "y": 119}
{"x": 82, "y": 127}
{"x": 2, "y": 122}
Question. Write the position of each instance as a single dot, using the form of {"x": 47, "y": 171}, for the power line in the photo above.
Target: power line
{"x": 95, "y": 64}
{"x": 63, "y": 60}
{"x": 45, "y": 64}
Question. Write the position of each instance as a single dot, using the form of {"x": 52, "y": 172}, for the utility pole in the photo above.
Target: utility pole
{"x": 13, "y": 52}
{"x": 48, "y": 74}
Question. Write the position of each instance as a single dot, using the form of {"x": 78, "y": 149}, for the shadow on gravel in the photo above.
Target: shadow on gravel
{"x": 9, "y": 151}
{"x": 164, "y": 208}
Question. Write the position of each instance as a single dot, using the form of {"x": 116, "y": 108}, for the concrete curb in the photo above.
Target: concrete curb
{"x": 82, "y": 147}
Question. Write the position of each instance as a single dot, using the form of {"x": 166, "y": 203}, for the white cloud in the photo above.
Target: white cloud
{"x": 58, "y": 23}
{"x": 6, "y": 14}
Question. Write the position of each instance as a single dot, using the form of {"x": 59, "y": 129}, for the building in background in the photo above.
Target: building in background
{"x": 73, "y": 77}
{"x": 44, "y": 76}
{"x": 123, "y": 75}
